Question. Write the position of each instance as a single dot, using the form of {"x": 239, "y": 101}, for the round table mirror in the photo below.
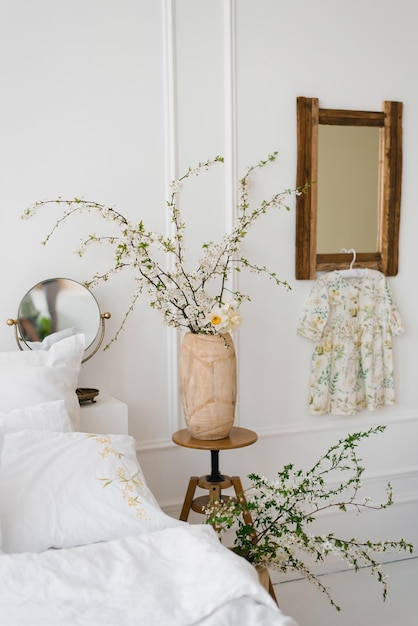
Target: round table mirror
{"x": 55, "y": 305}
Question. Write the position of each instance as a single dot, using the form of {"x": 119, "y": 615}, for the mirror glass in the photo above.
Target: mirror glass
{"x": 58, "y": 304}
{"x": 348, "y": 198}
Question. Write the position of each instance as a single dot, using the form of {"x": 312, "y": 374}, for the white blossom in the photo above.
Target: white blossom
{"x": 282, "y": 511}
{"x": 200, "y": 300}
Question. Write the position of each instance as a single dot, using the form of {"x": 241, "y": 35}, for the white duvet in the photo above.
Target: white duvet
{"x": 173, "y": 577}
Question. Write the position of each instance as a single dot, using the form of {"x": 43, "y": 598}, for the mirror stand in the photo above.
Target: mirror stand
{"x": 103, "y": 318}
{"x": 65, "y": 307}
{"x": 60, "y": 305}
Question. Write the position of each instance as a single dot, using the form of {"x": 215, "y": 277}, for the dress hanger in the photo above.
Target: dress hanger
{"x": 352, "y": 272}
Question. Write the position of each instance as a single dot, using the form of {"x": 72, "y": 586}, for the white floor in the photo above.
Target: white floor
{"x": 358, "y": 595}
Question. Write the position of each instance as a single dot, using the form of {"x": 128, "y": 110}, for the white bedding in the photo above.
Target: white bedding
{"x": 84, "y": 540}
{"x": 142, "y": 580}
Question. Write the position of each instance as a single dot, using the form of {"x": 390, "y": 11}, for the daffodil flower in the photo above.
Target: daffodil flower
{"x": 224, "y": 317}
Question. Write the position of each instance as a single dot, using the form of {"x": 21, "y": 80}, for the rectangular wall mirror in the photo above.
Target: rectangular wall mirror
{"x": 352, "y": 163}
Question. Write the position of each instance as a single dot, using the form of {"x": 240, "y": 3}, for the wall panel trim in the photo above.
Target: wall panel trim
{"x": 353, "y": 424}
{"x": 171, "y": 173}
{"x": 329, "y": 424}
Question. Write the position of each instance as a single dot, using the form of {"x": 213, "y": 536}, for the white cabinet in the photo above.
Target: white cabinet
{"x": 105, "y": 416}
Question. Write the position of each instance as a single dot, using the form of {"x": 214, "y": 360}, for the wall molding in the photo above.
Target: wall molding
{"x": 171, "y": 141}
{"x": 323, "y": 424}
{"x": 329, "y": 423}
{"x": 404, "y": 480}
{"x": 403, "y": 497}
{"x": 230, "y": 116}
{"x": 171, "y": 173}
{"x": 230, "y": 122}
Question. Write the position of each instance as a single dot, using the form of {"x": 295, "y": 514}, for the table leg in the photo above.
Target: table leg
{"x": 187, "y": 504}
{"x": 215, "y": 475}
{"x": 215, "y": 492}
{"x": 239, "y": 492}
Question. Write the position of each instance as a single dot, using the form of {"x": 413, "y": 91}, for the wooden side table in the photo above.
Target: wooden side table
{"x": 215, "y": 481}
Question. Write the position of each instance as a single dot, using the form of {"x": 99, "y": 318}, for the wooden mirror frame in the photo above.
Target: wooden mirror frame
{"x": 309, "y": 116}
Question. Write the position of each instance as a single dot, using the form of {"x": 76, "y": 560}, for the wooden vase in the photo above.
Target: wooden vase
{"x": 208, "y": 384}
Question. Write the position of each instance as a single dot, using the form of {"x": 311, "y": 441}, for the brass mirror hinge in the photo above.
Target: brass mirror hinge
{"x": 103, "y": 317}
{"x": 12, "y": 322}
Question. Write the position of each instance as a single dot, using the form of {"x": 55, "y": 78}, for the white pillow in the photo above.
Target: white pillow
{"x": 32, "y": 377}
{"x": 49, "y": 340}
{"x": 60, "y": 490}
{"x": 45, "y": 416}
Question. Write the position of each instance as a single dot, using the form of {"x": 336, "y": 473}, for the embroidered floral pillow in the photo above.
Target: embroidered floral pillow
{"x": 60, "y": 490}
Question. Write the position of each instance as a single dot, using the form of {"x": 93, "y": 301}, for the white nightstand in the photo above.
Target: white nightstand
{"x": 105, "y": 416}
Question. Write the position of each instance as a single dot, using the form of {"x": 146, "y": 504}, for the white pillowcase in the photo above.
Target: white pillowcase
{"x": 45, "y": 416}
{"x": 60, "y": 490}
{"x": 28, "y": 378}
{"x": 49, "y": 340}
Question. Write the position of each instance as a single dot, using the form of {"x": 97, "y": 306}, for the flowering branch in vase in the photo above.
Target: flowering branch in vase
{"x": 282, "y": 510}
{"x": 200, "y": 301}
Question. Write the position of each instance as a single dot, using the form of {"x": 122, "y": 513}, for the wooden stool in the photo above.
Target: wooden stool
{"x": 215, "y": 482}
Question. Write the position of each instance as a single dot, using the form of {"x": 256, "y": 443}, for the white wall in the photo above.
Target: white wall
{"x": 109, "y": 99}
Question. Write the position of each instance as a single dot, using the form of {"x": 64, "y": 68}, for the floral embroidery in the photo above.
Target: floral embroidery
{"x": 106, "y": 442}
{"x": 352, "y": 322}
{"x": 129, "y": 485}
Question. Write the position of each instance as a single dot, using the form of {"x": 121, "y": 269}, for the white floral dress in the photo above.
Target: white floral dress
{"x": 352, "y": 322}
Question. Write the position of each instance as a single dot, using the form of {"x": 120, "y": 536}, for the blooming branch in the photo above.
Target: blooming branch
{"x": 282, "y": 510}
{"x": 185, "y": 299}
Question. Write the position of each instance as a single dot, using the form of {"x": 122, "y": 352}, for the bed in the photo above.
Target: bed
{"x": 83, "y": 540}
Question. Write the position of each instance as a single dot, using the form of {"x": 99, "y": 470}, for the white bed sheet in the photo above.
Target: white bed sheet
{"x": 173, "y": 577}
